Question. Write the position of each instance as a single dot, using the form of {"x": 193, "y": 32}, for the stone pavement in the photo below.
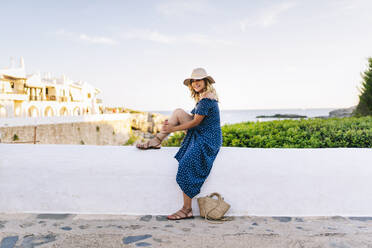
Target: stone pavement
{"x": 70, "y": 230}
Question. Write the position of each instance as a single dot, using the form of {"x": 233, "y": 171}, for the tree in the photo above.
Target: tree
{"x": 364, "y": 106}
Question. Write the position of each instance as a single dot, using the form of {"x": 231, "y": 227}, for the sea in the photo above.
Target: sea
{"x": 245, "y": 115}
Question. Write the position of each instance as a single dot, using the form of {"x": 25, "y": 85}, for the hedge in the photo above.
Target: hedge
{"x": 300, "y": 133}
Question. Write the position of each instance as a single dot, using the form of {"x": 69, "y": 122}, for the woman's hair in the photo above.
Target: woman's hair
{"x": 208, "y": 88}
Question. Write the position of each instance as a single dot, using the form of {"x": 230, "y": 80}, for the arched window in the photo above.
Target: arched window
{"x": 2, "y": 112}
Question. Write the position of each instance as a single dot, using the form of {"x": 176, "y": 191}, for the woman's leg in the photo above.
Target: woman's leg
{"x": 186, "y": 201}
{"x": 185, "y": 211}
{"x": 179, "y": 116}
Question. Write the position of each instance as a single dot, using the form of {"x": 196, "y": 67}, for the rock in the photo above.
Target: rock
{"x": 343, "y": 112}
{"x": 281, "y": 116}
{"x": 322, "y": 116}
{"x": 147, "y": 122}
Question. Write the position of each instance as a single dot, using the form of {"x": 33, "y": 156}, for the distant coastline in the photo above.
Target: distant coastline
{"x": 236, "y": 116}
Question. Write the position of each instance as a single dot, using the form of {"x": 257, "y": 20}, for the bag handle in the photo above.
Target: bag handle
{"x": 216, "y": 194}
{"x": 218, "y": 204}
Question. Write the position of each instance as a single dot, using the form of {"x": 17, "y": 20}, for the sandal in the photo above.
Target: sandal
{"x": 185, "y": 214}
{"x": 146, "y": 146}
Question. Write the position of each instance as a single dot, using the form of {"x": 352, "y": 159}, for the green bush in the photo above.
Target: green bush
{"x": 175, "y": 139}
{"x": 303, "y": 133}
{"x": 132, "y": 138}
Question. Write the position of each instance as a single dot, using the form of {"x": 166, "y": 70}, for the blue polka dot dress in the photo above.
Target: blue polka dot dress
{"x": 199, "y": 148}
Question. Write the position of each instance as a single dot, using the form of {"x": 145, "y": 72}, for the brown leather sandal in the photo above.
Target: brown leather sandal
{"x": 146, "y": 146}
{"x": 184, "y": 211}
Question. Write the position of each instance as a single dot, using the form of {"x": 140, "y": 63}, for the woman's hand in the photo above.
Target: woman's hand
{"x": 166, "y": 127}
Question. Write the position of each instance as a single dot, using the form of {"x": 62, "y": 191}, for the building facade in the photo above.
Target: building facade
{"x": 34, "y": 95}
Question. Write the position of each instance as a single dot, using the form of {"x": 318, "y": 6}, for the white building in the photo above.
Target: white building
{"x": 34, "y": 95}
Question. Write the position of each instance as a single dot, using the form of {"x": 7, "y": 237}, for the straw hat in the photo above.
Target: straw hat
{"x": 198, "y": 73}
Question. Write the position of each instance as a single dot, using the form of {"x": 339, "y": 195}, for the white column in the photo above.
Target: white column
{"x": 10, "y": 109}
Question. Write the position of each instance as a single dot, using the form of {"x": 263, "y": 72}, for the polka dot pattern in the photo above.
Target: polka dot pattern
{"x": 199, "y": 148}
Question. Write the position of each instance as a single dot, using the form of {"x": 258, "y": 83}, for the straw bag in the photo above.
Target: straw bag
{"x": 212, "y": 208}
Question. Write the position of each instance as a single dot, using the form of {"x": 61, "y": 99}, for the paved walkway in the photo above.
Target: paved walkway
{"x": 64, "y": 230}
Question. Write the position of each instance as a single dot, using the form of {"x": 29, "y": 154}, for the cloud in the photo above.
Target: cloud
{"x": 97, "y": 39}
{"x": 201, "y": 39}
{"x": 182, "y": 7}
{"x": 86, "y": 38}
{"x": 149, "y": 35}
{"x": 268, "y": 17}
{"x": 351, "y": 6}
{"x": 155, "y": 36}
{"x": 345, "y": 5}
{"x": 62, "y": 32}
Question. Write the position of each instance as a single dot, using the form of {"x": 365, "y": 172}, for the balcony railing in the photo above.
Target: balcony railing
{"x": 36, "y": 98}
{"x": 59, "y": 98}
{"x": 26, "y": 97}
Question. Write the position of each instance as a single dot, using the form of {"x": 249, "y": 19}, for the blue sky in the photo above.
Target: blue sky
{"x": 262, "y": 54}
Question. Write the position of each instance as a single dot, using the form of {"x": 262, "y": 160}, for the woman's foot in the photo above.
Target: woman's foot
{"x": 183, "y": 213}
{"x": 154, "y": 143}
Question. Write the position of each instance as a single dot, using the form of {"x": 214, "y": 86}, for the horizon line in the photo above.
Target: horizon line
{"x": 264, "y": 109}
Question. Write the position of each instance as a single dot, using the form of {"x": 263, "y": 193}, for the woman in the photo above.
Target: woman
{"x": 202, "y": 142}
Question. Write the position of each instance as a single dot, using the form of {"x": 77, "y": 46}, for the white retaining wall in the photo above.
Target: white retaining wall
{"x": 125, "y": 180}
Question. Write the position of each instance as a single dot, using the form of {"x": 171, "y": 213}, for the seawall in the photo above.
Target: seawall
{"x": 125, "y": 180}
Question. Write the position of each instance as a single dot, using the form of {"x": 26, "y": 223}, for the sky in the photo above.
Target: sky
{"x": 262, "y": 54}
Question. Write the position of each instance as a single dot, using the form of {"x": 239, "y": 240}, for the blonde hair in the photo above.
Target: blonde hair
{"x": 207, "y": 89}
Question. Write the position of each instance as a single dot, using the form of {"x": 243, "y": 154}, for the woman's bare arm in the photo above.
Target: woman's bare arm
{"x": 190, "y": 124}
{"x": 193, "y": 123}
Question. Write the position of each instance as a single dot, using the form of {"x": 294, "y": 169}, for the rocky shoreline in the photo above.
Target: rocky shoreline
{"x": 147, "y": 122}
{"x": 145, "y": 125}
{"x": 340, "y": 113}
{"x": 281, "y": 116}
